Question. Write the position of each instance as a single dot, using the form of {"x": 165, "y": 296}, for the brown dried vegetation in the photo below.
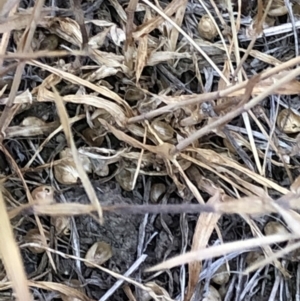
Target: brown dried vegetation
{"x": 141, "y": 137}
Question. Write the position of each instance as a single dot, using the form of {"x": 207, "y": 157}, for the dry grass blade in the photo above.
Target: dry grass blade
{"x": 24, "y": 46}
{"x": 6, "y": 36}
{"x": 179, "y": 15}
{"x": 243, "y": 108}
{"x": 188, "y": 38}
{"x": 61, "y": 288}
{"x": 205, "y": 225}
{"x": 6, "y": 6}
{"x": 30, "y": 199}
{"x": 215, "y": 159}
{"x": 221, "y": 250}
{"x": 42, "y": 53}
{"x": 32, "y": 130}
{"x": 153, "y": 23}
{"x": 11, "y": 256}
{"x": 79, "y": 81}
{"x": 24, "y": 97}
{"x": 187, "y": 100}
{"x": 99, "y": 102}
{"x": 83, "y": 176}
{"x": 146, "y": 81}
{"x": 18, "y": 22}
{"x": 276, "y": 255}
{"x": 55, "y": 132}
{"x": 129, "y": 46}
{"x": 66, "y": 209}
{"x": 109, "y": 272}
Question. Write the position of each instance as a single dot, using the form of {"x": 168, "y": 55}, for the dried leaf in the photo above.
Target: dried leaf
{"x": 66, "y": 28}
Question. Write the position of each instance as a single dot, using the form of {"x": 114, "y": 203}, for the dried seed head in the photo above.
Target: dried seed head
{"x": 212, "y": 294}
{"x": 277, "y": 8}
{"x": 134, "y": 94}
{"x": 221, "y": 276}
{"x": 288, "y": 121}
{"x": 98, "y": 253}
{"x": 32, "y": 121}
{"x": 157, "y": 190}
{"x": 92, "y": 137}
{"x": 62, "y": 224}
{"x": 274, "y": 227}
{"x": 156, "y": 291}
{"x": 296, "y": 11}
{"x": 17, "y": 35}
{"x": 50, "y": 42}
{"x": 125, "y": 179}
{"x": 254, "y": 257}
{"x": 34, "y": 236}
{"x": 163, "y": 130}
{"x": 43, "y": 195}
{"x": 100, "y": 113}
{"x": 136, "y": 130}
{"x": 207, "y": 28}
{"x": 100, "y": 167}
{"x": 66, "y": 172}
{"x": 229, "y": 146}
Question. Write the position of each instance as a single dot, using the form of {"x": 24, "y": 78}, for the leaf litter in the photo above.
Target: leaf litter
{"x": 180, "y": 121}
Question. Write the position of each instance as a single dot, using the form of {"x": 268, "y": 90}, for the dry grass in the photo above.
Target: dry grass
{"x": 204, "y": 115}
